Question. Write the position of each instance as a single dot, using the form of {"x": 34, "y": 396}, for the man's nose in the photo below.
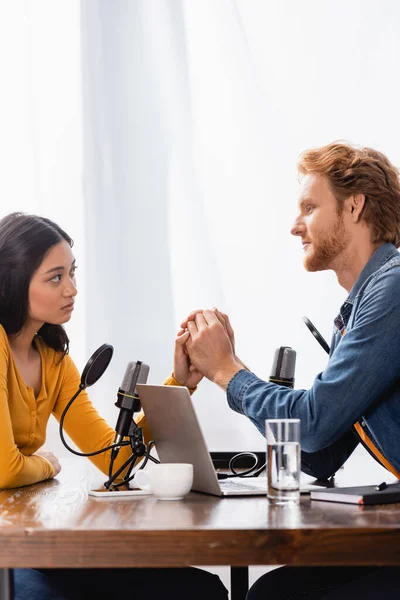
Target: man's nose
{"x": 298, "y": 227}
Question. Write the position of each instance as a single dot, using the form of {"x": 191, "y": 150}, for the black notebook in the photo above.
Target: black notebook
{"x": 366, "y": 494}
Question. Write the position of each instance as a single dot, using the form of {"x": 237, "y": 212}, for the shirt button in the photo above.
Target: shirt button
{"x": 363, "y": 423}
{"x": 32, "y": 436}
{"x": 34, "y": 413}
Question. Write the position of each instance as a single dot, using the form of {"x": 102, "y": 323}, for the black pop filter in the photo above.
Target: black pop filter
{"x": 317, "y": 335}
{"x": 94, "y": 369}
{"x": 96, "y": 365}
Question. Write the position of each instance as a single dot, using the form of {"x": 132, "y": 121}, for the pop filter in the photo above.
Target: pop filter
{"x": 96, "y": 365}
{"x": 317, "y": 335}
{"x": 94, "y": 369}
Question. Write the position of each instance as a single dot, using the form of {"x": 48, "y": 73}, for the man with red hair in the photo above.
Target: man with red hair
{"x": 348, "y": 221}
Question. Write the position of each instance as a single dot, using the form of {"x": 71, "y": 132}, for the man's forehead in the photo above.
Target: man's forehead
{"x": 312, "y": 185}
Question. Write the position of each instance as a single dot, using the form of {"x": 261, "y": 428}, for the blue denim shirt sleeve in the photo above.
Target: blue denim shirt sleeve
{"x": 360, "y": 373}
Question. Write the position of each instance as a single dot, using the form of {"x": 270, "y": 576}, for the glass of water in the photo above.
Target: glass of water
{"x": 283, "y": 460}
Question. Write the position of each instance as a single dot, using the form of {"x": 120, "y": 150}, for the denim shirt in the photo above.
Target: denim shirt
{"x": 360, "y": 383}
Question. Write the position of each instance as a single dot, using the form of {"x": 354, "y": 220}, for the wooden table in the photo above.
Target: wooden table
{"x": 56, "y": 524}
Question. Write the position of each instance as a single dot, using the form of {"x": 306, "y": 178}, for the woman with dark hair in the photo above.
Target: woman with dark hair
{"x": 37, "y": 379}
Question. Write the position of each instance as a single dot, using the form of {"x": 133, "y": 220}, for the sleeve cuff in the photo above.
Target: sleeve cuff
{"x": 237, "y": 388}
{"x": 172, "y": 381}
{"x": 48, "y": 468}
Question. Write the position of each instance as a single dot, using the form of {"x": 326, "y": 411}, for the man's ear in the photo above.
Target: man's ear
{"x": 356, "y": 205}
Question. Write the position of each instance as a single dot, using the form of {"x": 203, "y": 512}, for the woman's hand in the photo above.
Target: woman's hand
{"x": 184, "y": 372}
{"x": 53, "y": 460}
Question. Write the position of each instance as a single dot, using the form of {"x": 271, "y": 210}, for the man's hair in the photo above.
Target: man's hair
{"x": 350, "y": 170}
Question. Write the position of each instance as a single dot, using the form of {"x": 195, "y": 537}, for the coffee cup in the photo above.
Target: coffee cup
{"x": 166, "y": 481}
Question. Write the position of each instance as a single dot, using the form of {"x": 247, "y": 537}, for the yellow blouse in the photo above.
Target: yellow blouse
{"x": 23, "y": 417}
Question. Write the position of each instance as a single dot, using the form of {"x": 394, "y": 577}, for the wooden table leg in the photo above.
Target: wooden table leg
{"x": 6, "y": 584}
{"x": 239, "y": 582}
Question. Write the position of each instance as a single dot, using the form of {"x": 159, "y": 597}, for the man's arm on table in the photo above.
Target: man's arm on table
{"x": 360, "y": 371}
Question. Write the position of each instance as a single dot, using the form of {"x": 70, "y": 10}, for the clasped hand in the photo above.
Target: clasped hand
{"x": 205, "y": 346}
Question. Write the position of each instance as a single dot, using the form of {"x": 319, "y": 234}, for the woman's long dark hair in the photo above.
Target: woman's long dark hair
{"x": 24, "y": 242}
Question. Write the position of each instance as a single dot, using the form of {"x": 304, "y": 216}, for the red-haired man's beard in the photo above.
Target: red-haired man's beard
{"x": 326, "y": 246}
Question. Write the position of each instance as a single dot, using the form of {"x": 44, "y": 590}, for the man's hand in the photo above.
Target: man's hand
{"x": 210, "y": 348}
{"x": 184, "y": 372}
{"x": 53, "y": 460}
{"x": 222, "y": 317}
{"x": 224, "y": 320}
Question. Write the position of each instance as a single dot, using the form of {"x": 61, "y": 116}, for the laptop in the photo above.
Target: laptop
{"x": 178, "y": 438}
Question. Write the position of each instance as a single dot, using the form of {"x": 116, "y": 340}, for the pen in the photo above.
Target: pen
{"x": 381, "y": 486}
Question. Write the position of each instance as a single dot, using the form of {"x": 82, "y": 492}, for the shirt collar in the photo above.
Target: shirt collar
{"x": 379, "y": 258}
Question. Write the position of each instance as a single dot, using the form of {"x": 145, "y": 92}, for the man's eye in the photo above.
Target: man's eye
{"x": 309, "y": 208}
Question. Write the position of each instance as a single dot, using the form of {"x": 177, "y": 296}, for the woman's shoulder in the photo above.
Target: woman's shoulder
{"x": 4, "y": 345}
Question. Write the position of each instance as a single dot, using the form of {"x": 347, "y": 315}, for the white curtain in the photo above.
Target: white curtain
{"x": 195, "y": 113}
{"x": 40, "y": 118}
{"x": 41, "y": 128}
{"x": 182, "y": 189}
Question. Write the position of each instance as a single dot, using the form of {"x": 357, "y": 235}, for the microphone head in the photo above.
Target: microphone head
{"x": 283, "y": 367}
{"x": 136, "y": 372}
{"x": 127, "y": 399}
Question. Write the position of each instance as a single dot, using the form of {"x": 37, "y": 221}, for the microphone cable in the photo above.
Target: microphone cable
{"x": 61, "y": 432}
{"x": 139, "y": 449}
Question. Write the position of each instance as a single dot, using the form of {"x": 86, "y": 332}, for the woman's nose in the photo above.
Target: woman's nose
{"x": 70, "y": 290}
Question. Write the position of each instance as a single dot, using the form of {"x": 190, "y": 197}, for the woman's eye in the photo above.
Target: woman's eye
{"x": 72, "y": 273}
{"x": 56, "y": 278}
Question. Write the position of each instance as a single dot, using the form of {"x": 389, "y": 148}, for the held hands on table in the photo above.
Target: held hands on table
{"x": 205, "y": 346}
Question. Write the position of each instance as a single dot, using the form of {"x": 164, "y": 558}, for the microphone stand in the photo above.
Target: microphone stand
{"x": 93, "y": 370}
{"x": 139, "y": 449}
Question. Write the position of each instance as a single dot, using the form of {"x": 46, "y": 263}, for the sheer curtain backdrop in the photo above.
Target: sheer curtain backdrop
{"x": 194, "y": 115}
{"x": 163, "y": 136}
{"x": 41, "y": 129}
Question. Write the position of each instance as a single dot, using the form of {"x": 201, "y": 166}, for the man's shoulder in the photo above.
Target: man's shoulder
{"x": 386, "y": 276}
{"x": 390, "y": 266}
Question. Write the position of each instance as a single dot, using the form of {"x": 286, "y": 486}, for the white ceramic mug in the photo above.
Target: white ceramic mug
{"x": 166, "y": 481}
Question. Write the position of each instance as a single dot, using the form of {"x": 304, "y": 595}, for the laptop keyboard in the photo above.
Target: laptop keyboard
{"x": 257, "y": 484}
{"x": 238, "y": 486}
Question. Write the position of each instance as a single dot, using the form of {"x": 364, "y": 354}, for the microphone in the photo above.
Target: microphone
{"x": 128, "y": 400}
{"x": 283, "y": 367}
